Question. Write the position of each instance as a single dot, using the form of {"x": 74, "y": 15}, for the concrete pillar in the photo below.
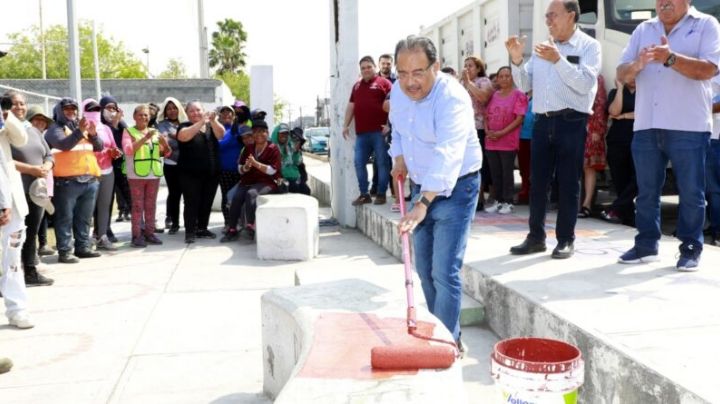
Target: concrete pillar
{"x": 261, "y": 91}
{"x": 344, "y": 71}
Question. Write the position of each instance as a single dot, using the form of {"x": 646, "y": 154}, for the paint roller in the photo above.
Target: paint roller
{"x": 410, "y": 357}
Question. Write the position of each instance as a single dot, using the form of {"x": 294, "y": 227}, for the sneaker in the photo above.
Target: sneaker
{"x": 174, "y": 229}
{"x": 35, "y": 278}
{"x": 362, "y": 200}
{"x": 139, "y": 242}
{"x": 505, "y": 208}
{"x": 67, "y": 258}
{"x": 380, "y": 200}
{"x": 104, "y": 243}
{"x": 45, "y": 250}
{"x": 87, "y": 253}
{"x": 205, "y": 233}
{"x": 231, "y": 235}
{"x": 610, "y": 216}
{"x": 153, "y": 239}
{"x": 632, "y": 256}
{"x": 492, "y": 207}
{"x": 689, "y": 258}
{"x": 250, "y": 230}
{"x": 21, "y": 320}
{"x": 5, "y": 365}
{"x": 112, "y": 238}
{"x": 395, "y": 207}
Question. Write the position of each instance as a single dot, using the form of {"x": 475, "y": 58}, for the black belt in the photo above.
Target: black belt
{"x": 462, "y": 177}
{"x": 551, "y": 114}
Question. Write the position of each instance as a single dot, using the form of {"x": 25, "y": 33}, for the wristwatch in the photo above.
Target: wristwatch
{"x": 670, "y": 60}
{"x": 420, "y": 198}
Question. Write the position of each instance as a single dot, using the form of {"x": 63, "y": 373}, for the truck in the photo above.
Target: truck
{"x": 481, "y": 28}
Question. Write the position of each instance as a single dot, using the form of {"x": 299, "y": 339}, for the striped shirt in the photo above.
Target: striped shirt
{"x": 571, "y": 82}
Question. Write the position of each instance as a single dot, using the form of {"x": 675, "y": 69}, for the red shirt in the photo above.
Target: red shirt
{"x": 368, "y": 98}
{"x": 270, "y": 156}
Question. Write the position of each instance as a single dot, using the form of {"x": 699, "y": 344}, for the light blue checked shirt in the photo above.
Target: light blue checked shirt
{"x": 563, "y": 84}
{"x": 436, "y": 135}
{"x": 665, "y": 98}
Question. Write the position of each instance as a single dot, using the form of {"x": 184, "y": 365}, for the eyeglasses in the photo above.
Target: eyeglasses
{"x": 415, "y": 74}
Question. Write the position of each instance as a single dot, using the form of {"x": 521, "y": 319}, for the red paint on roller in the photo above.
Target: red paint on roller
{"x": 412, "y": 357}
{"x": 341, "y": 342}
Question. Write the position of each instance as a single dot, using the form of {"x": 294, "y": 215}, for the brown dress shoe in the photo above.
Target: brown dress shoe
{"x": 361, "y": 200}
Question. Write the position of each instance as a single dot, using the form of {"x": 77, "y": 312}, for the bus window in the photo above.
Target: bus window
{"x": 711, "y": 7}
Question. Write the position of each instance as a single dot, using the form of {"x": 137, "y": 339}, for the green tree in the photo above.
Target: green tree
{"x": 227, "y": 55}
{"x": 175, "y": 70}
{"x": 24, "y": 57}
{"x": 239, "y": 84}
{"x": 279, "y": 108}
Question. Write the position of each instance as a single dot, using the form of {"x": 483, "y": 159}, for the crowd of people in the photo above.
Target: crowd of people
{"x": 67, "y": 171}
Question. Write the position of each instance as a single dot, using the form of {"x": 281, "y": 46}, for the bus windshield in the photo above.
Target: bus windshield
{"x": 636, "y": 11}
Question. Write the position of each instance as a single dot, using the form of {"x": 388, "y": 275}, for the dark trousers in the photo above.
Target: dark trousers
{"x": 485, "y": 175}
{"x": 228, "y": 179}
{"x": 558, "y": 146}
{"x": 622, "y": 170}
{"x": 245, "y": 202}
{"x": 32, "y": 224}
{"x": 198, "y": 192}
{"x": 172, "y": 179}
{"x": 122, "y": 192}
{"x": 298, "y": 187}
{"x": 42, "y": 230}
{"x": 502, "y": 167}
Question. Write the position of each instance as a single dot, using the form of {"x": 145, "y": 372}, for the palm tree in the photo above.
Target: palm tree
{"x": 227, "y": 47}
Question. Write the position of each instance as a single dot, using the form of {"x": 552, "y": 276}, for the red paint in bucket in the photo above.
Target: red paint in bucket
{"x": 537, "y": 355}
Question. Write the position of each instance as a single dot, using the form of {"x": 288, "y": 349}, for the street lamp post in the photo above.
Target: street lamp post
{"x": 146, "y": 51}
{"x": 74, "y": 54}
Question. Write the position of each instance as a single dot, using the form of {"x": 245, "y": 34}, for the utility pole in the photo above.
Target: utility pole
{"x": 74, "y": 52}
{"x": 42, "y": 52}
{"x": 344, "y": 70}
{"x": 202, "y": 41}
{"x": 96, "y": 60}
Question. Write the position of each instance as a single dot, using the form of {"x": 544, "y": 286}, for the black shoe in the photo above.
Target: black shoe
{"x": 119, "y": 218}
{"x": 35, "y": 278}
{"x": 231, "y": 235}
{"x": 528, "y": 247}
{"x": 173, "y": 229}
{"x": 564, "y": 249}
{"x": 168, "y": 223}
{"x": 159, "y": 230}
{"x": 205, "y": 234}
{"x": 127, "y": 216}
{"x": 112, "y": 238}
{"x": 189, "y": 239}
{"x": 67, "y": 258}
{"x": 87, "y": 254}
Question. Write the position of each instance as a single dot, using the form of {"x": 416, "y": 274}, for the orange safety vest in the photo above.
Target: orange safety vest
{"x": 80, "y": 160}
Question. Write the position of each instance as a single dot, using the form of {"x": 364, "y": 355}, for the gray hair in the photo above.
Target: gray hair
{"x": 573, "y": 6}
{"x": 414, "y": 42}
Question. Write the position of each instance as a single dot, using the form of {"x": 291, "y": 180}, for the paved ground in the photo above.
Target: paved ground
{"x": 172, "y": 324}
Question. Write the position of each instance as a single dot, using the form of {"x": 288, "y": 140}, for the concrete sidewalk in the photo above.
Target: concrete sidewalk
{"x": 176, "y": 324}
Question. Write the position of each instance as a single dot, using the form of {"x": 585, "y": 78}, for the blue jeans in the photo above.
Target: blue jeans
{"x": 439, "y": 245}
{"x": 74, "y": 203}
{"x": 365, "y": 144}
{"x": 558, "y": 146}
{"x": 651, "y": 150}
{"x": 712, "y": 186}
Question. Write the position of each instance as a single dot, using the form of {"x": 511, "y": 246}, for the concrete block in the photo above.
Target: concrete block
{"x": 287, "y": 227}
{"x": 295, "y": 335}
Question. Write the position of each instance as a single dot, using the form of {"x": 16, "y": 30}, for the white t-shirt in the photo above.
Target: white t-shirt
{"x": 716, "y": 99}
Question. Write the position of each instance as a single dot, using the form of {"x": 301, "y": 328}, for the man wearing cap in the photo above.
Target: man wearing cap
{"x": 76, "y": 173}
{"x": 34, "y": 161}
{"x": 12, "y": 226}
{"x": 366, "y": 108}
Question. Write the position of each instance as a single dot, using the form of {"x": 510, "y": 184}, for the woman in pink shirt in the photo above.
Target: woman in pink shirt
{"x": 110, "y": 151}
{"x": 504, "y": 116}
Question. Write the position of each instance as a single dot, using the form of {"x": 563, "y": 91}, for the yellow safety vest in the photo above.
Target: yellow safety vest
{"x": 147, "y": 157}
